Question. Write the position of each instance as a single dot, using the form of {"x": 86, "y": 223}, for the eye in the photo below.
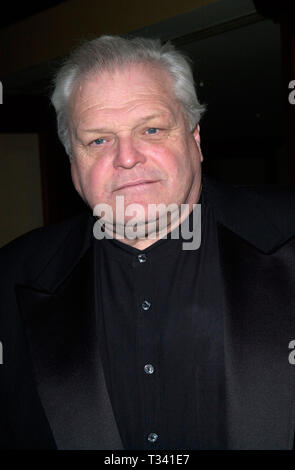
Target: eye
{"x": 99, "y": 141}
{"x": 152, "y": 130}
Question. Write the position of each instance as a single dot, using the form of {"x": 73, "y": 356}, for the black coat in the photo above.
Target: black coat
{"x": 52, "y": 386}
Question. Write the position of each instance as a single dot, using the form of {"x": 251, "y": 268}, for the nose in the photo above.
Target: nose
{"x": 127, "y": 154}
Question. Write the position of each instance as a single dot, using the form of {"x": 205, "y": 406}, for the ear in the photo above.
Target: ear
{"x": 196, "y": 134}
{"x": 197, "y": 137}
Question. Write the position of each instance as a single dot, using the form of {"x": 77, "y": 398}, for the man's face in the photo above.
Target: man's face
{"x": 130, "y": 138}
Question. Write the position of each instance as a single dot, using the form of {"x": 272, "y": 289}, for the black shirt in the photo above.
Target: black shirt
{"x": 161, "y": 340}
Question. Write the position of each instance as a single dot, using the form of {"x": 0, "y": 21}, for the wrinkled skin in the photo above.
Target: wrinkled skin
{"x": 130, "y": 137}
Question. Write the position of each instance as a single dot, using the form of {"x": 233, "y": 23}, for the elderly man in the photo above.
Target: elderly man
{"x": 116, "y": 341}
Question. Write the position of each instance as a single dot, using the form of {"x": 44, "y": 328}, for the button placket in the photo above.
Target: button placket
{"x": 147, "y": 346}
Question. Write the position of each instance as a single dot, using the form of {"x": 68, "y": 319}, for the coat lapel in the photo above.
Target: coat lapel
{"x": 259, "y": 306}
{"x": 257, "y": 262}
{"x": 59, "y": 317}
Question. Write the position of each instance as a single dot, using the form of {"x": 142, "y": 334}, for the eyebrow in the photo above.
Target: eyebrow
{"x": 101, "y": 130}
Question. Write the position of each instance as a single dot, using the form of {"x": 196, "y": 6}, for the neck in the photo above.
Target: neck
{"x": 150, "y": 238}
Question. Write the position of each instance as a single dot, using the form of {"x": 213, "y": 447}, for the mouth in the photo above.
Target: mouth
{"x": 138, "y": 183}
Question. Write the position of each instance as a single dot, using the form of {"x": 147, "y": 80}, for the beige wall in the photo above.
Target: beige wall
{"x": 20, "y": 185}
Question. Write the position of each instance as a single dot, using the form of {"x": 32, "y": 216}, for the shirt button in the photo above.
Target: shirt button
{"x": 141, "y": 258}
{"x": 145, "y": 305}
{"x": 149, "y": 369}
{"x": 152, "y": 437}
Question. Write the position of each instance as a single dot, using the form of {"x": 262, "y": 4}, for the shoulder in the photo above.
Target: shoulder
{"x": 264, "y": 215}
{"x": 277, "y": 202}
{"x": 29, "y": 252}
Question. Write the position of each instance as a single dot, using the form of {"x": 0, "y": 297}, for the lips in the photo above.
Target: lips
{"x": 135, "y": 183}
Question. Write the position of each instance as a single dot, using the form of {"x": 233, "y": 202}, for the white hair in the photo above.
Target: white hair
{"x": 109, "y": 52}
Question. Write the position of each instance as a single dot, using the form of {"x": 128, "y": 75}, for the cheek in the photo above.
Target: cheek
{"x": 96, "y": 178}
{"x": 191, "y": 158}
{"x": 86, "y": 176}
{"x": 184, "y": 167}
{"x": 98, "y": 181}
{"x": 164, "y": 157}
{"x": 176, "y": 163}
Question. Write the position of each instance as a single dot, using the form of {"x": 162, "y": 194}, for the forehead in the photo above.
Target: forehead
{"x": 130, "y": 89}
